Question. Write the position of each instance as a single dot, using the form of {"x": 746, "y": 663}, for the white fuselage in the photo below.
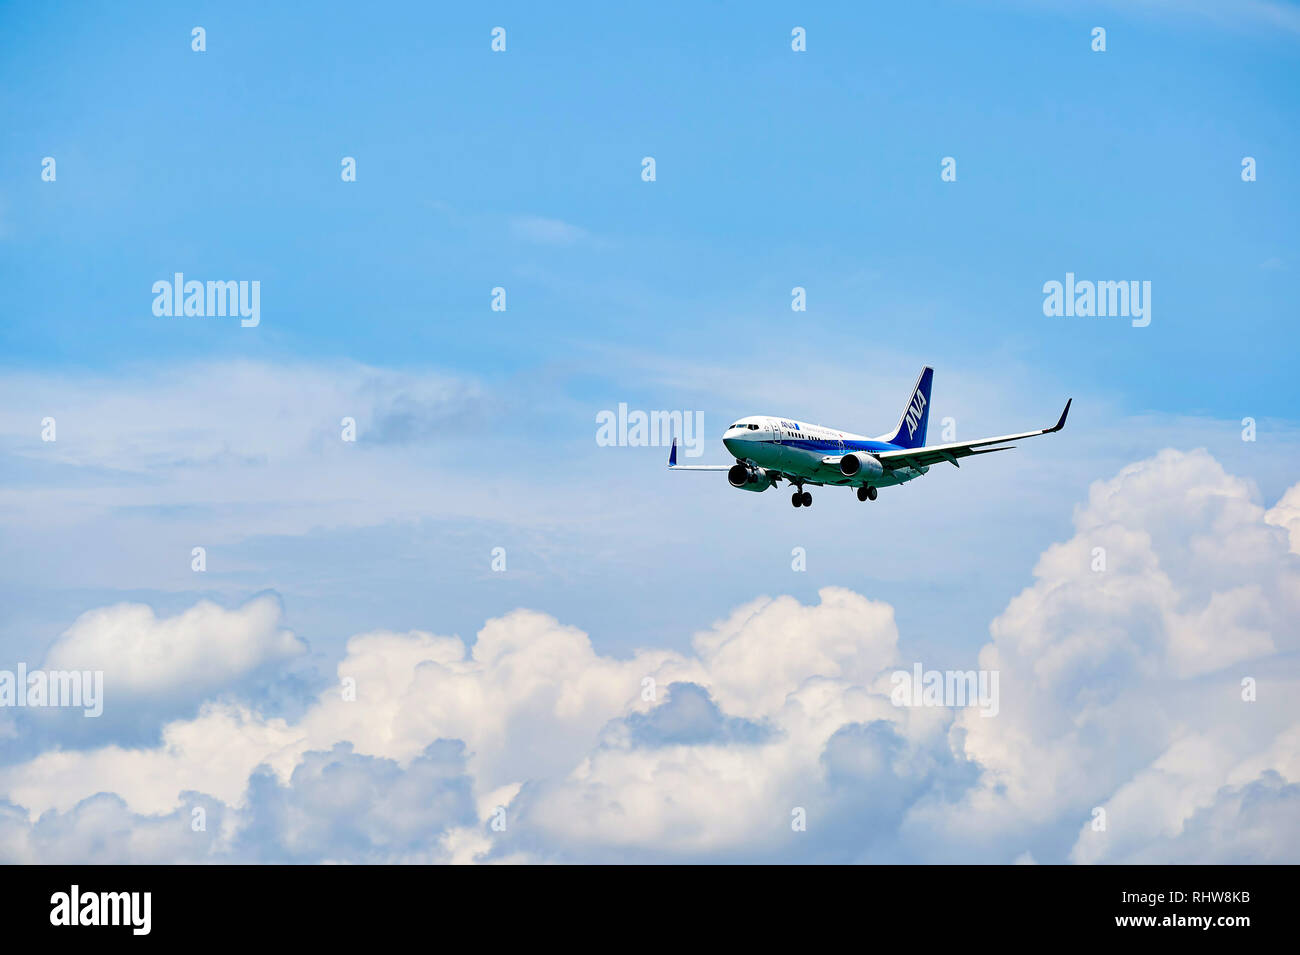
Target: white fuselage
{"x": 798, "y": 448}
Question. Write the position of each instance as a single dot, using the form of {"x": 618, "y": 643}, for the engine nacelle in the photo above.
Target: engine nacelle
{"x": 748, "y": 478}
{"x": 859, "y": 464}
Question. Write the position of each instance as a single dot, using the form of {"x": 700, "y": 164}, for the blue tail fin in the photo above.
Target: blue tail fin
{"x": 911, "y": 426}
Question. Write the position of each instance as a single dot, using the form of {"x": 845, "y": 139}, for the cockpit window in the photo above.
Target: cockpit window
{"x": 753, "y": 427}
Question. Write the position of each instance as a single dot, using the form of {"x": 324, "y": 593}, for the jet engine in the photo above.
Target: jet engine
{"x": 859, "y": 464}
{"x": 749, "y": 478}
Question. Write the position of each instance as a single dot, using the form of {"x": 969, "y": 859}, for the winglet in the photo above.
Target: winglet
{"x": 1061, "y": 424}
{"x": 672, "y": 455}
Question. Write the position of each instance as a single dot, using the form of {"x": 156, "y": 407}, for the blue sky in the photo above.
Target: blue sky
{"x": 522, "y": 169}
{"x": 775, "y": 170}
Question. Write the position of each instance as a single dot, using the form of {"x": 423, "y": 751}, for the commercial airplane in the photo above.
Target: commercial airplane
{"x": 769, "y": 450}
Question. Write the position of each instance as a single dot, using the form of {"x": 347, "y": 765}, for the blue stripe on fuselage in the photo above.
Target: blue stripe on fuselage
{"x": 833, "y": 445}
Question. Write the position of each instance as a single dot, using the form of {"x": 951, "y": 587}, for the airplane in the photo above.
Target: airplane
{"x": 769, "y": 450}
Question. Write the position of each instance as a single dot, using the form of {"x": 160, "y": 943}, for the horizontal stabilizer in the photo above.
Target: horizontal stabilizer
{"x": 674, "y": 466}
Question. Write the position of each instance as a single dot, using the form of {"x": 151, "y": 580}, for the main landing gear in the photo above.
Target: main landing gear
{"x": 801, "y": 498}
{"x": 866, "y": 494}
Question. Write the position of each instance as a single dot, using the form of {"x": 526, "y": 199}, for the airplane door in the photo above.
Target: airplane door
{"x": 776, "y": 431}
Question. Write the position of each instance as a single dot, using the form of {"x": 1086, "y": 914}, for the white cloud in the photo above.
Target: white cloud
{"x": 1286, "y": 513}
{"x": 1133, "y": 673}
{"x": 199, "y": 652}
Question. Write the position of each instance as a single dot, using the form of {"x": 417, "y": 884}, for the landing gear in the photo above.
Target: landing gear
{"x": 801, "y": 498}
{"x": 866, "y": 494}
{"x": 807, "y": 498}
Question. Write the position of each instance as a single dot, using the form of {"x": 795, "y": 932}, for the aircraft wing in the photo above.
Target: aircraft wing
{"x": 938, "y": 453}
{"x": 674, "y": 466}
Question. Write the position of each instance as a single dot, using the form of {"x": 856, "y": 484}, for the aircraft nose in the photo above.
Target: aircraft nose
{"x": 731, "y": 444}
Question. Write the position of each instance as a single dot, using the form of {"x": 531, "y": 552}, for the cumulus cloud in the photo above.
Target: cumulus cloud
{"x": 1148, "y": 672}
{"x": 1254, "y": 822}
{"x": 147, "y": 669}
{"x": 195, "y": 654}
{"x": 336, "y": 806}
{"x": 341, "y": 806}
{"x": 687, "y": 717}
{"x": 530, "y": 699}
{"x": 1286, "y": 514}
{"x": 101, "y": 830}
{"x": 1122, "y": 665}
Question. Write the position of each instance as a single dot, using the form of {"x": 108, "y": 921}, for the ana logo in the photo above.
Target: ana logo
{"x": 914, "y": 413}
{"x": 789, "y": 426}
